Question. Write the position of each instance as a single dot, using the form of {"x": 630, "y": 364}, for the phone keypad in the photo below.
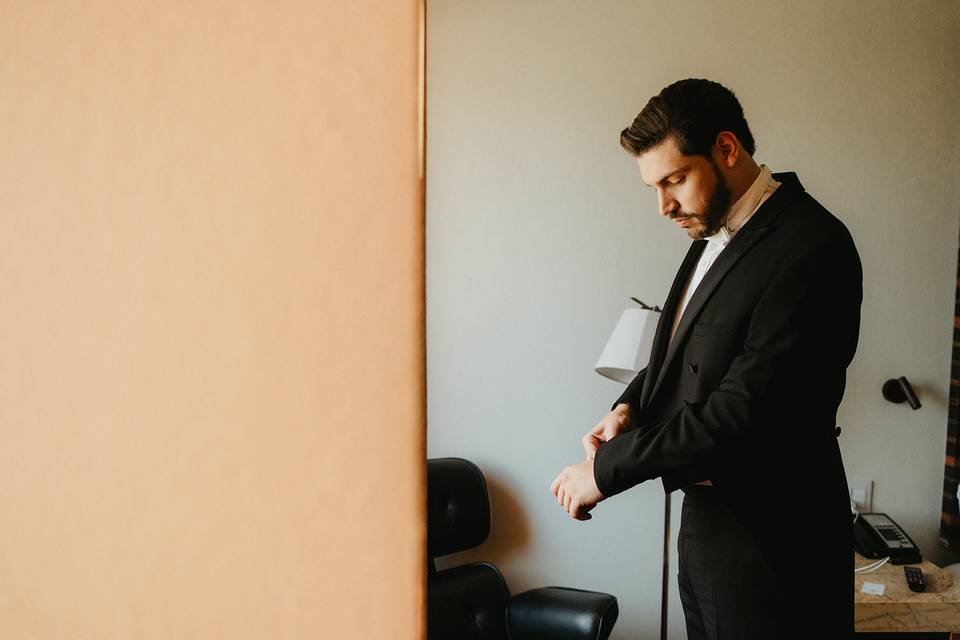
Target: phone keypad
{"x": 891, "y": 533}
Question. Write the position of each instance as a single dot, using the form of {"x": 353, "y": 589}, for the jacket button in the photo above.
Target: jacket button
{"x": 693, "y": 367}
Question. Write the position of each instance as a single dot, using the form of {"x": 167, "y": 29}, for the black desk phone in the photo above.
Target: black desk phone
{"x": 875, "y": 535}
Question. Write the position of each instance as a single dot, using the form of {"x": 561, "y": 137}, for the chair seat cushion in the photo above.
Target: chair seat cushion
{"x": 559, "y": 612}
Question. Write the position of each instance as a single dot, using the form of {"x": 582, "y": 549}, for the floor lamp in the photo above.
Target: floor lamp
{"x": 626, "y": 353}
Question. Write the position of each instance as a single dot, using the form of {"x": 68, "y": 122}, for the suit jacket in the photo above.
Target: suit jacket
{"x": 746, "y": 394}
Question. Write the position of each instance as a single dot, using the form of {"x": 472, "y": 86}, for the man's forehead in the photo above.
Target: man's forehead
{"x": 660, "y": 162}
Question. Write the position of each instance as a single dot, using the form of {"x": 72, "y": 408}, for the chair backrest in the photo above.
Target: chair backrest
{"x": 458, "y": 507}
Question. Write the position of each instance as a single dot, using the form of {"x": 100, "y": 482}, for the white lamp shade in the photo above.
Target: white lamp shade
{"x": 628, "y": 349}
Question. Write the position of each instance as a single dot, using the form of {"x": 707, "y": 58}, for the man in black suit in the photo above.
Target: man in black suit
{"x": 738, "y": 403}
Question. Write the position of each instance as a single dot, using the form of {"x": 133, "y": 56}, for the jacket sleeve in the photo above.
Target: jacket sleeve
{"x": 807, "y": 319}
{"x": 632, "y": 394}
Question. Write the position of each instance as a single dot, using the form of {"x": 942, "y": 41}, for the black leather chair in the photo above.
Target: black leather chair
{"x": 473, "y": 601}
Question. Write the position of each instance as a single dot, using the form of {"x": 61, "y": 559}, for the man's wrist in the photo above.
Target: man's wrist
{"x": 623, "y": 409}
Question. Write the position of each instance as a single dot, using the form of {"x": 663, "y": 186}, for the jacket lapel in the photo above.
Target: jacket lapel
{"x": 753, "y": 232}
{"x": 661, "y": 338}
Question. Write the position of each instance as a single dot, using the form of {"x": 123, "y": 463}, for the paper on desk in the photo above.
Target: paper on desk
{"x": 873, "y": 588}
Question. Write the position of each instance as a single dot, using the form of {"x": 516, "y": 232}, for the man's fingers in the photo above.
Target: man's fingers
{"x": 570, "y": 495}
{"x": 590, "y": 445}
{"x": 582, "y": 511}
{"x": 583, "y": 514}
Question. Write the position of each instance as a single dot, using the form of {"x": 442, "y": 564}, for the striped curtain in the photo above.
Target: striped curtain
{"x": 949, "y": 516}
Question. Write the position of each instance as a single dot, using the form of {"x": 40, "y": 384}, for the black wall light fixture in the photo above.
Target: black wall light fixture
{"x": 898, "y": 389}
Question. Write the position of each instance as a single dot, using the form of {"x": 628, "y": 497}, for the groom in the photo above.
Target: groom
{"x": 737, "y": 405}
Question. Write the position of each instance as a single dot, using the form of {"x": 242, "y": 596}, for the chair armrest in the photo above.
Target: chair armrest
{"x": 558, "y": 612}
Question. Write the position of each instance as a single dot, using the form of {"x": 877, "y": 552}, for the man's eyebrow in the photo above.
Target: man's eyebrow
{"x": 671, "y": 174}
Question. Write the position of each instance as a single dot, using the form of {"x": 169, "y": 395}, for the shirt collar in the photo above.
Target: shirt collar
{"x": 742, "y": 210}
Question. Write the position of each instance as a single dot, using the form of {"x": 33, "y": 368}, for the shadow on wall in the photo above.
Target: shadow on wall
{"x": 930, "y": 393}
{"x": 509, "y": 529}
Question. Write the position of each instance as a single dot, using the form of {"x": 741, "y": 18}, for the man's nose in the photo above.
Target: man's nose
{"x": 668, "y": 205}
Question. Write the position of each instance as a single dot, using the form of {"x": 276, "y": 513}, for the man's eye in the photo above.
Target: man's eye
{"x": 678, "y": 180}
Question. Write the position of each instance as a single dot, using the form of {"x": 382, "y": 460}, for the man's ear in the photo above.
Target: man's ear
{"x": 727, "y": 149}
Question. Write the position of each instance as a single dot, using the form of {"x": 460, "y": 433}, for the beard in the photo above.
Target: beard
{"x": 705, "y": 224}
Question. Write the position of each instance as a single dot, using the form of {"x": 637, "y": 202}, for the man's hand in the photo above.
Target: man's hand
{"x": 612, "y": 425}
{"x": 576, "y": 490}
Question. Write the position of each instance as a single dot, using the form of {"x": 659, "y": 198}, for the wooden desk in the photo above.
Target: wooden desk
{"x": 901, "y": 610}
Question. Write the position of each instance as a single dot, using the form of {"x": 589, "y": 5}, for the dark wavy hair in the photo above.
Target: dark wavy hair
{"x": 693, "y": 112}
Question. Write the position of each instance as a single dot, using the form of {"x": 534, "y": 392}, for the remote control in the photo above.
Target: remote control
{"x": 914, "y": 578}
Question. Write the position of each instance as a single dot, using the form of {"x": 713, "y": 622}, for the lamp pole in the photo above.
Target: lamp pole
{"x": 665, "y": 580}
{"x": 625, "y": 354}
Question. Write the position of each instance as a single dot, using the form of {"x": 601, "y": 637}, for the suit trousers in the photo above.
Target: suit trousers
{"x": 729, "y": 590}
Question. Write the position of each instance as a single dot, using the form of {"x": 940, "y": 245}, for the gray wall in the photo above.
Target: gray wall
{"x": 539, "y": 228}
